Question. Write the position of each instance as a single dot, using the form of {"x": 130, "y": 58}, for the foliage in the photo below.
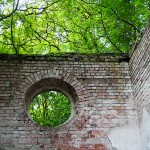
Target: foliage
{"x": 50, "y": 108}
{"x": 91, "y": 26}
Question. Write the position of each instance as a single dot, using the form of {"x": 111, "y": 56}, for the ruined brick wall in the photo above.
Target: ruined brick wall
{"x": 104, "y": 115}
{"x": 140, "y": 74}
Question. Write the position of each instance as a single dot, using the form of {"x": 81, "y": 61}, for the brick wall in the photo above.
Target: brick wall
{"x": 104, "y": 113}
{"x": 140, "y": 75}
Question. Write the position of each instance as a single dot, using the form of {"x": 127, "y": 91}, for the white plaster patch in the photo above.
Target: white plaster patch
{"x": 149, "y": 145}
{"x": 125, "y": 138}
{"x": 145, "y": 130}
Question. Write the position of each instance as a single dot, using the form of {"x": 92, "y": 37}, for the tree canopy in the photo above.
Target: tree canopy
{"x": 90, "y": 26}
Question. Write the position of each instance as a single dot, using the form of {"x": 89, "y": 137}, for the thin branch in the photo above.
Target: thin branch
{"x": 41, "y": 9}
{"x": 5, "y": 43}
{"x": 108, "y": 34}
{"x": 132, "y": 25}
{"x": 47, "y": 41}
{"x": 12, "y": 36}
{"x": 13, "y": 11}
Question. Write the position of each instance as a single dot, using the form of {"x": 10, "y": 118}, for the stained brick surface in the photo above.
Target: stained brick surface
{"x": 140, "y": 72}
{"x": 104, "y": 94}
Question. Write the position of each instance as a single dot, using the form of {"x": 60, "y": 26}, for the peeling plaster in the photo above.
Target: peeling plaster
{"x": 125, "y": 138}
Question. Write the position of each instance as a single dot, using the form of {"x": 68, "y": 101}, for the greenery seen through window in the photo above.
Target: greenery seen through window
{"x": 50, "y": 108}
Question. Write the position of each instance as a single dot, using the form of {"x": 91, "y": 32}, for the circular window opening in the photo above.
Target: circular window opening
{"x": 50, "y": 108}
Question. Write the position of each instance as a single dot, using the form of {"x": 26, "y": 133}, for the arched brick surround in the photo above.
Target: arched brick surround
{"x": 97, "y": 139}
{"x": 52, "y": 79}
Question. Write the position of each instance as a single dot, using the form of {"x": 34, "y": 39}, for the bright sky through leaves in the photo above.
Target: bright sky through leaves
{"x": 89, "y": 26}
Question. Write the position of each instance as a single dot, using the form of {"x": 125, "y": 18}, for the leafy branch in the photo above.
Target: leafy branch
{"x": 108, "y": 37}
{"x": 64, "y": 25}
{"x": 3, "y": 17}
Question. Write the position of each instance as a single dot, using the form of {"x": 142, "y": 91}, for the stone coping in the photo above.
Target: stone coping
{"x": 69, "y": 57}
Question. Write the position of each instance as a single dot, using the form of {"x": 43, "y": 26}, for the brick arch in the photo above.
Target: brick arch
{"x": 58, "y": 74}
{"x": 36, "y": 77}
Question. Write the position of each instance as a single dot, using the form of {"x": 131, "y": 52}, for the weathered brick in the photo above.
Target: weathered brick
{"x": 104, "y": 101}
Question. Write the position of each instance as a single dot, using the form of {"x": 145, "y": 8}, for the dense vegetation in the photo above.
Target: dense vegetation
{"x": 50, "y": 108}
{"x": 91, "y": 26}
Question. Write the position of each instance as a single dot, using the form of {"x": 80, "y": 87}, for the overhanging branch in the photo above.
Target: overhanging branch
{"x": 13, "y": 11}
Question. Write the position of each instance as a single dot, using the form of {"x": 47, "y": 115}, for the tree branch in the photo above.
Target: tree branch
{"x": 47, "y": 41}
{"x": 13, "y": 11}
{"x": 107, "y": 33}
{"x": 12, "y": 36}
{"x": 132, "y": 25}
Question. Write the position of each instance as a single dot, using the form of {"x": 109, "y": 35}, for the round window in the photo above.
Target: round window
{"x": 50, "y": 108}
{"x": 51, "y": 102}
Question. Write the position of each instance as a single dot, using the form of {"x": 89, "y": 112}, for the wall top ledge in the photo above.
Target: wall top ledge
{"x": 110, "y": 57}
